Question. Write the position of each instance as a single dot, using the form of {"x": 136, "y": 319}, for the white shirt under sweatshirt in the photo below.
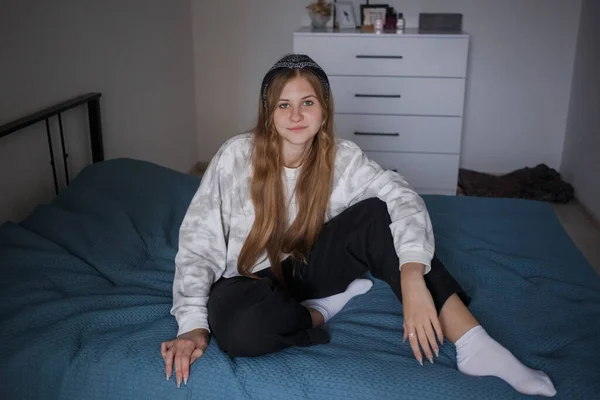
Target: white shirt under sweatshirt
{"x": 221, "y": 214}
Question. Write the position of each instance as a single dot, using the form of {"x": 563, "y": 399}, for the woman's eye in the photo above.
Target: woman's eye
{"x": 284, "y": 105}
{"x": 308, "y": 103}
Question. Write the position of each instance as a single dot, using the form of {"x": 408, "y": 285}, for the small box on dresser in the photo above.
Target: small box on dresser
{"x": 400, "y": 97}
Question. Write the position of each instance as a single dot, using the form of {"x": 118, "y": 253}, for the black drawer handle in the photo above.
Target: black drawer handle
{"x": 376, "y": 134}
{"x": 380, "y": 57}
{"x": 381, "y": 96}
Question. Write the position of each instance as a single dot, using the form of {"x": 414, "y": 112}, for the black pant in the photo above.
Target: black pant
{"x": 250, "y": 317}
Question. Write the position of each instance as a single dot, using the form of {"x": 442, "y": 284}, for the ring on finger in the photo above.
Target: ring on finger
{"x": 411, "y": 335}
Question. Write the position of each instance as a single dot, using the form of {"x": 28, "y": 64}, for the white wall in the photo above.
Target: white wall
{"x": 581, "y": 157}
{"x": 138, "y": 53}
{"x": 519, "y": 72}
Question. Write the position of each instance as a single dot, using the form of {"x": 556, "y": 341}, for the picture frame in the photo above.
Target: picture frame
{"x": 368, "y": 12}
{"x": 345, "y": 16}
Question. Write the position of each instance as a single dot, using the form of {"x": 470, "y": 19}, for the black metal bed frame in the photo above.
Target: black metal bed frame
{"x": 95, "y": 124}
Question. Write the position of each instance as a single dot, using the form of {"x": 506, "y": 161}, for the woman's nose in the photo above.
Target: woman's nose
{"x": 296, "y": 114}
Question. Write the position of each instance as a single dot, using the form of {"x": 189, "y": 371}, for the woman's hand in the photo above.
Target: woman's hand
{"x": 183, "y": 351}
{"x": 421, "y": 323}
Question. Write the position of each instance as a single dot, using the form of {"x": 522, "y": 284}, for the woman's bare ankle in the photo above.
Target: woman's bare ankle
{"x": 316, "y": 317}
{"x": 456, "y": 319}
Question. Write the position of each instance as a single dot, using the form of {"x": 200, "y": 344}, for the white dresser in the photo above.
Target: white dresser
{"x": 400, "y": 97}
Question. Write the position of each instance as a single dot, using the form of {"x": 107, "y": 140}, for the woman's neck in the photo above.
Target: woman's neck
{"x": 294, "y": 155}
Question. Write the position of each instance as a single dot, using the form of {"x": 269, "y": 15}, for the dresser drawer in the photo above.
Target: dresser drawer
{"x": 386, "y": 55}
{"x": 401, "y": 133}
{"x": 408, "y": 96}
{"x": 426, "y": 173}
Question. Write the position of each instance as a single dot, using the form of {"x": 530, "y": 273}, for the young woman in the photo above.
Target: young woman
{"x": 284, "y": 224}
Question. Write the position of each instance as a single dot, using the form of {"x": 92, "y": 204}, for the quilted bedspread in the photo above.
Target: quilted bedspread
{"x": 85, "y": 293}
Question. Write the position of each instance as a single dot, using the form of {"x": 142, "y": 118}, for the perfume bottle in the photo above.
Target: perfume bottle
{"x": 400, "y": 23}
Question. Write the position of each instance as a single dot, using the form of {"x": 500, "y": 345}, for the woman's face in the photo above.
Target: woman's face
{"x": 298, "y": 115}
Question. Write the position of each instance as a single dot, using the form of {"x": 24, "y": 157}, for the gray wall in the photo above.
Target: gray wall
{"x": 518, "y": 87}
{"x": 138, "y": 53}
{"x": 581, "y": 157}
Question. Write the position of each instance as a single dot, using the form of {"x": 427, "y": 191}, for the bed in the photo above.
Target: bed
{"x": 86, "y": 291}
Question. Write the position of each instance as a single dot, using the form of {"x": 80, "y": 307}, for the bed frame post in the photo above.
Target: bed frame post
{"x": 96, "y": 130}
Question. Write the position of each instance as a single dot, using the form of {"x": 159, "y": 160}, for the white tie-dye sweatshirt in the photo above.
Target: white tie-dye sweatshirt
{"x": 221, "y": 214}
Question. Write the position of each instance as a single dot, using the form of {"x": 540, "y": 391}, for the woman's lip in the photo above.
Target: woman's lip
{"x": 298, "y": 128}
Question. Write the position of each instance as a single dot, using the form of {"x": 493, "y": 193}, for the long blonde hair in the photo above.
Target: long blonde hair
{"x": 313, "y": 187}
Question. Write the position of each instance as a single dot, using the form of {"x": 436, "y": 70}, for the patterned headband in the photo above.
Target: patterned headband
{"x": 295, "y": 61}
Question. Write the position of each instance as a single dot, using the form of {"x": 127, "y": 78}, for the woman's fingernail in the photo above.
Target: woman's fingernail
{"x": 167, "y": 376}
{"x": 437, "y": 352}
{"x": 185, "y": 381}
{"x": 430, "y": 359}
{"x": 420, "y": 361}
{"x": 178, "y": 383}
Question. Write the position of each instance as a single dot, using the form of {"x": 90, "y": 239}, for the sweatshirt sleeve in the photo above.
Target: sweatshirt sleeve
{"x": 202, "y": 252}
{"x": 411, "y": 225}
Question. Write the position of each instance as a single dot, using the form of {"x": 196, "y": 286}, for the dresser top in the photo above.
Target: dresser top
{"x": 408, "y": 32}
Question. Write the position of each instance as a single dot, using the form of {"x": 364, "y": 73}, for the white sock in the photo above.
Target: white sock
{"x": 329, "y": 306}
{"x": 479, "y": 355}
